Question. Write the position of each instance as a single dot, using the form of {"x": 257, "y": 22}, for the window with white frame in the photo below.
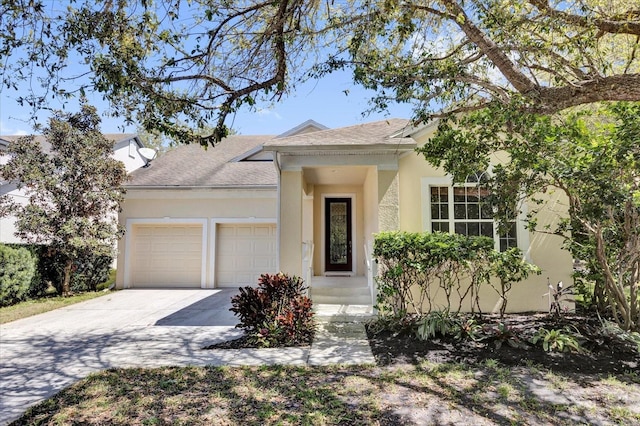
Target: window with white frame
{"x": 463, "y": 209}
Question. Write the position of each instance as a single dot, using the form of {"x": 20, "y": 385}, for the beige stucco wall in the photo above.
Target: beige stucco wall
{"x": 389, "y": 200}
{"x": 290, "y": 230}
{"x": 545, "y": 249}
{"x": 206, "y": 205}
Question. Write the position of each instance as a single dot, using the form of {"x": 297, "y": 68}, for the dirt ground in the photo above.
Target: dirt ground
{"x": 602, "y": 353}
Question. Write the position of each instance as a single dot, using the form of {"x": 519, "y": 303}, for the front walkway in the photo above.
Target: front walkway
{"x": 43, "y": 354}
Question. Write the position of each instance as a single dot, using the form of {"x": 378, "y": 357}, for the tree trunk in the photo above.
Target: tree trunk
{"x": 66, "y": 288}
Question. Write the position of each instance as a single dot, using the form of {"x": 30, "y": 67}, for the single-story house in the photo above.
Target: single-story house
{"x": 126, "y": 148}
{"x": 307, "y": 202}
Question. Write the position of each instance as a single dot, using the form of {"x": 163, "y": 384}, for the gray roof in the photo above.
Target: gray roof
{"x": 367, "y": 134}
{"x": 229, "y": 165}
{"x": 193, "y": 166}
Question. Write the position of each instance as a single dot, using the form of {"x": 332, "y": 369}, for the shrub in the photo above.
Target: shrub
{"x": 437, "y": 324}
{"x": 111, "y": 280}
{"x": 501, "y": 334}
{"x": 557, "y": 340}
{"x": 277, "y": 312}
{"x": 89, "y": 270}
{"x": 17, "y": 268}
{"x": 416, "y": 266}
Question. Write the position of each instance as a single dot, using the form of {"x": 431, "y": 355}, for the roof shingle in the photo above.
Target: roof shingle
{"x": 193, "y": 166}
{"x": 375, "y": 133}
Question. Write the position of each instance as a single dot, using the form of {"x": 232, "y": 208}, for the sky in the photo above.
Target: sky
{"x": 321, "y": 100}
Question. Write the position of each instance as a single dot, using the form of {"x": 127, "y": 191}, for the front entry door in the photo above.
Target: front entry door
{"x": 337, "y": 238}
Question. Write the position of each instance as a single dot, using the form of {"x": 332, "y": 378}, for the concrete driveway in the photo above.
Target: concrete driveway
{"x": 43, "y": 354}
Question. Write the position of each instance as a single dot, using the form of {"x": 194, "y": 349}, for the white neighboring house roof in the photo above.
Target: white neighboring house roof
{"x": 129, "y": 142}
{"x": 125, "y": 149}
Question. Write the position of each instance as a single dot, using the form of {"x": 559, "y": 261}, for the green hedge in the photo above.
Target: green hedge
{"x": 416, "y": 266}
{"x": 17, "y": 268}
{"x": 89, "y": 271}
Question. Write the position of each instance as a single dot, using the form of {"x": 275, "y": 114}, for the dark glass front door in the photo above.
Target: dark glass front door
{"x": 337, "y": 239}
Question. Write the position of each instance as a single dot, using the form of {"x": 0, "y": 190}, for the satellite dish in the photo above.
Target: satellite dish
{"x": 147, "y": 153}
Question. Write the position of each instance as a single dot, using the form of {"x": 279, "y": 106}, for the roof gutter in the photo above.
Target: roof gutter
{"x": 402, "y": 145}
{"x": 194, "y": 188}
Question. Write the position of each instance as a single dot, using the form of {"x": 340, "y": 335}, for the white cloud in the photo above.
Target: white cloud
{"x": 265, "y": 112}
{"x": 9, "y": 130}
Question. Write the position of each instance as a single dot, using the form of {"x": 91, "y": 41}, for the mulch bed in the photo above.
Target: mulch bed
{"x": 603, "y": 354}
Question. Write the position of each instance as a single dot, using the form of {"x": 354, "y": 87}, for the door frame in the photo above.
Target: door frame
{"x": 354, "y": 209}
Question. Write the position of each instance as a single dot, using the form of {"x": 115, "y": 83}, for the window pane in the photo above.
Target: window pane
{"x": 473, "y": 211}
{"x": 509, "y": 239}
{"x": 461, "y": 228}
{"x": 458, "y": 195}
{"x": 472, "y": 195}
{"x": 459, "y": 211}
{"x": 473, "y": 229}
{"x": 444, "y": 211}
{"x": 486, "y": 211}
{"x": 486, "y": 229}
{"x": 440, "y": 226}
{"x": 338, "y": 230}
{"x": 435, "y": 194}
{"x": 435, "y": 211}
{"x": 444, "y": 194}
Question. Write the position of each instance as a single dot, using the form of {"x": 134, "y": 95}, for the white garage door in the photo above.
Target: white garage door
{"x": 166, "y": 256}
{"x": 243, "y": 253}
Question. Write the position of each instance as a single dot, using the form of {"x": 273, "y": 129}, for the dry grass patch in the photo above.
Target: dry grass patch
{"x": 355, "y": 395}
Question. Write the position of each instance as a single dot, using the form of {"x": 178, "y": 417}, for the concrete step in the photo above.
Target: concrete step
{"x": 333, "y": 312}
{"x": 341, "y": 299}
{"x": 341, "y": 295}
{"x": 340, "y": 291}
{"x": 338, "y": 282}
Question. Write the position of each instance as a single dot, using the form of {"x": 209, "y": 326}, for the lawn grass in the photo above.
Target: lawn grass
{"x": 429, "y": 393}
{"x": 38, "y": 306}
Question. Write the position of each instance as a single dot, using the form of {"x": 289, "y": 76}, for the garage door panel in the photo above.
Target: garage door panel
{"x": 166, "y": 256}
{"x": 243, "y": 253}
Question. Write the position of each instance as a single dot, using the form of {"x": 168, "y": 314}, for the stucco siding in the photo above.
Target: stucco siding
{"x": 180, "y": 207}
{"x": 389, "y": 194}
{"x": 541, "y": 248}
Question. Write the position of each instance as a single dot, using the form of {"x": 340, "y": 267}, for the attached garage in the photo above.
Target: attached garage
{"x": 166, "y": 255}
{"x": 243, "y": 253}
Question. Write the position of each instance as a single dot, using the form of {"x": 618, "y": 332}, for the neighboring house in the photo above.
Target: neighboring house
{"x": 307, "y": 202}
{"x": 125, "y": 148}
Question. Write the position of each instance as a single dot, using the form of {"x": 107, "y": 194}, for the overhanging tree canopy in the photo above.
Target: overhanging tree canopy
{"x": 545, "y": 55}
{"x": 174, "y": 65}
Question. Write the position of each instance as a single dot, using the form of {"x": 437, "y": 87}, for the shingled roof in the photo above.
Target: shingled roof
{"x": 229, "y": 164}
{"x": 367, "y": 134}
{"x": 189, "y": 166}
